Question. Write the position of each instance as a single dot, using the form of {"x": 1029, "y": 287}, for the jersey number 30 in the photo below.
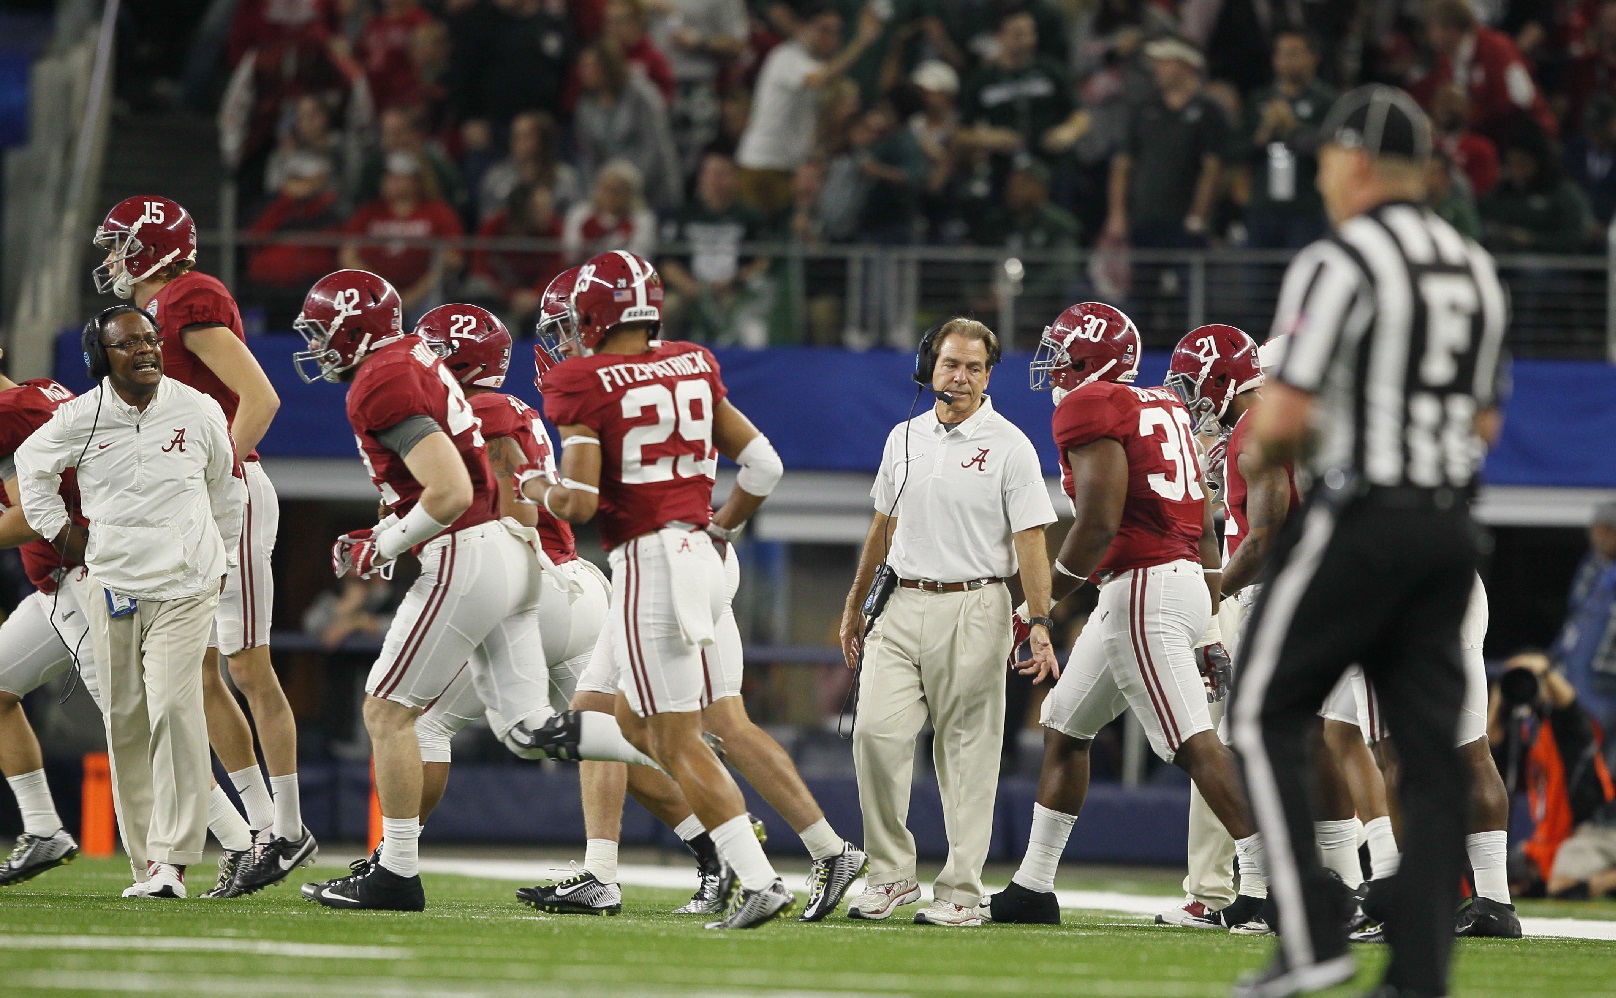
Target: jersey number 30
{"x": 687, "y": 409}
{"x": 1179, "y": 450}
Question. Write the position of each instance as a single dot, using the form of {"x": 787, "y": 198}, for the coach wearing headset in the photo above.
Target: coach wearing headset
{"x": 159, "y": 482}
{"x": 960, "y": 502}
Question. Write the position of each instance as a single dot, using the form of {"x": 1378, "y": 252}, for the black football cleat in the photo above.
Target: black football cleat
{"x": 34, "y": 854}
{"x": 1018, "y": 905}
{"x": 829, "y": 880}
{"x": 1484, "y": 917}
{"x": 373, "y": 888}
{"x": 580, "y": 894}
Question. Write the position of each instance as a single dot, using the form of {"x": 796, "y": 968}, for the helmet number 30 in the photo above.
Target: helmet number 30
{"x": 1178, "y": 448}
{"x": 686, "y": 408}
{"x": 1093, "y": 328}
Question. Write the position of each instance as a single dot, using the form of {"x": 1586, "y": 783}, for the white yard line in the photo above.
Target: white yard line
{"x": 1138, "y": 905}
{"x": 203, "y": 944}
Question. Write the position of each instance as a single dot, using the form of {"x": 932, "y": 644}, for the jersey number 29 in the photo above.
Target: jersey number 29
{"x": 686, "y": 408}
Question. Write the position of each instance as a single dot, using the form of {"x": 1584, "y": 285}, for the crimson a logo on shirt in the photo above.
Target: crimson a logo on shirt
{"x": 979, "y": 462}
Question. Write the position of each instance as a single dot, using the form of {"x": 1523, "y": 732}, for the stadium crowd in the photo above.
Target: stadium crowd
{"x": 1042, "y": 125}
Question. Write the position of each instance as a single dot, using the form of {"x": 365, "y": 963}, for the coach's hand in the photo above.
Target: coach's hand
{"x": 1217, "y": 670}
{"x": 852, "y": 635}
{"x": 1043, "y": 663}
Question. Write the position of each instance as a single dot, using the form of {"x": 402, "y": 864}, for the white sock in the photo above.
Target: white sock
{"x": 1338, "y": 845}
{"x": 226, "y": 823}
{"x": 401, "y": 845}
{"x": 689, "y": 828}
{"x": 34, "y": 801}
{"x": 288, "y": 807}
{"x": 739, "y": 847}
{"x": 821, "y": 840}
{"x": 1488, "y": 852}
{"x": 1050, "y": 830}
{"x": 1249, "y": 856}
{"x": 254, "y": 792}
{"x": 600, "y": 738}
{"x": 600, "y": 858}
{"x": 1383, "y": 855}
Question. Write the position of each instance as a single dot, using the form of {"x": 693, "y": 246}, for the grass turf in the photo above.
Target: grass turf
{"x": 68, "y": 932}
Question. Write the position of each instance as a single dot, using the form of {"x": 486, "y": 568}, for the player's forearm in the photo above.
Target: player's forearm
{"x": 737, "y": 509}
{"x": 253, "y": 416}
{"x": 1080, "y": 555}
{"x": 1246, "y": 563}
{"x": 14, "y": 529}
{"x": 1212, "y": 568}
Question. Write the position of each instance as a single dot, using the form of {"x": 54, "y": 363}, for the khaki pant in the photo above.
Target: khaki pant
{"x": 157, "y": 734}
{"x": 937, "y": 655}
{"x": 1210, "y": 879}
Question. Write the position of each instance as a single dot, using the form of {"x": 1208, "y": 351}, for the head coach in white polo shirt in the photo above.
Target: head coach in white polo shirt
{"x": 959, "y": 504}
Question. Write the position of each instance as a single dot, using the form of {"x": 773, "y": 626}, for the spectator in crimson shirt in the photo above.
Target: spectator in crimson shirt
{"x": 517, "y": 278}
{"x": 306, "y": 204}
{"x": 1592, "y": 70}
{"x": 625, "y": 24}
{"x": 1474, "y": 155}
{"x": 384, "y": 50}
{"x": 1491, "y": 68}
{"x": 404, "y": 212}
{"x": 262, "y": 24}
{"x": 614, "y": 217}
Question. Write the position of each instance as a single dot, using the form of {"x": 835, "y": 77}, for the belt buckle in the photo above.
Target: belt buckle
{"x": 930, "y": 585}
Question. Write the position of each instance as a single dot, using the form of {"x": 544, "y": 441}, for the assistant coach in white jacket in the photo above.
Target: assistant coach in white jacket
{"x": 160, "y": 485}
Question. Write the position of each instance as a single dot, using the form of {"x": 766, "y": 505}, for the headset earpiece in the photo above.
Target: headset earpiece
{"x": 926, "y": 353}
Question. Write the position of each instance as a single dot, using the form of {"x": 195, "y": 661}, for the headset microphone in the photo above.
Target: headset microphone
{"x": 946, "y": 398}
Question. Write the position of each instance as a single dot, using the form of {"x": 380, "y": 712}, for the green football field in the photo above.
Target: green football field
{"x": 68, "y": 932}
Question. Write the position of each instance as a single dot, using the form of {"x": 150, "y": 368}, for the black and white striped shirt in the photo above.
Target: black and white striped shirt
{"x": 1397, "y": 323}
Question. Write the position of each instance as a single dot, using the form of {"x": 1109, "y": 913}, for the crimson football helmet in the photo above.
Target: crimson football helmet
{"x": 347, "y": 316}
{"x": 613, "y": 288}
{"x": 555, "y": 323}
{"x": 1210, "y": 366}
{"x": 1091, "y": 341}
{"x": 474, "y": 344}
{"x": 142, "y": 235}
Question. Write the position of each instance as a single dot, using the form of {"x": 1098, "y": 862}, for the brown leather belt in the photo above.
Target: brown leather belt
{"x": 928, "y": 585}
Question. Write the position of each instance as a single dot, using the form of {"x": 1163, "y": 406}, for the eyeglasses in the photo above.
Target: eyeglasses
{"x": 155, "y": 342}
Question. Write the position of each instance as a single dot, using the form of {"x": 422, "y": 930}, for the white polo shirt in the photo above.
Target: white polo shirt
{"x": 959, "y": 494}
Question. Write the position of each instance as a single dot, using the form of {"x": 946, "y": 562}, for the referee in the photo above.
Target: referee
{"x": 1387, "y": 392}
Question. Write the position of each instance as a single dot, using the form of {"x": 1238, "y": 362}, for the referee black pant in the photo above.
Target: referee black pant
{"x": 1382, "y": 580}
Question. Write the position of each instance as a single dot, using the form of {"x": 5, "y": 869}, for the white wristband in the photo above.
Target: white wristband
{"x": 547, "y": 506}
{"x": 1062, "y": 569}
{"x": 577, "y": 486}
{"x": 417, "y": 527}
{"x": 572, "y": 441}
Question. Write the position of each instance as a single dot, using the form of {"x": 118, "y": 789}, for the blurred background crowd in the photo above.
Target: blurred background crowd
{"x": 704, "y": 132}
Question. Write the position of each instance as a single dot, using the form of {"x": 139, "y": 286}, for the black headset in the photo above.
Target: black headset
{"x": 926, "y": 354}
{"x": 96, "y": 362}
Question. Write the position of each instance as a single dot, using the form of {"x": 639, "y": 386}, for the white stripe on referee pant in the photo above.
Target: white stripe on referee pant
{"x": 1284, "y": 878}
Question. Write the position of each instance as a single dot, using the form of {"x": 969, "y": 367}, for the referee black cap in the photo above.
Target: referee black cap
{"x": 1380, "y": 120}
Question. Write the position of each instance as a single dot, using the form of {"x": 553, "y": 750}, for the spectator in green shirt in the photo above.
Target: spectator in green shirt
{"x": 1448, "y": 194}
{"x": 1534, "y": 208}
{"x": 1279, "y": 141}
{"x": 1043, "y": 235}
{"x": 1020, "y": 102}
{"x": 710, "y": 280}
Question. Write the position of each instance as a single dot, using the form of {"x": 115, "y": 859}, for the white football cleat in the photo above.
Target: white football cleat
{"x": 1191, "y": 914}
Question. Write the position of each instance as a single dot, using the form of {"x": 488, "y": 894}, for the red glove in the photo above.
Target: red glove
{"x": 1217, "y": 670}
{"x": 355, "y": 552}
{"x": 1020, "y": 631}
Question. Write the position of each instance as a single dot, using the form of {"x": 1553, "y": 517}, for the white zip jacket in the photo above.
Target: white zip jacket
{"x": 160, "y": 488}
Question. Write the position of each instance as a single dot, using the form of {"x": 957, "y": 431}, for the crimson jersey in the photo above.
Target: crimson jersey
{"x": 509, "y": 416}
{"x": 194, "y": 299}
{"x": 1234, "y": 496}
{"x": 1162, "y": 517}
{"x": 405, "y": 379}
{"x": 653, "y": 413}
{"x": 23, "y": 410}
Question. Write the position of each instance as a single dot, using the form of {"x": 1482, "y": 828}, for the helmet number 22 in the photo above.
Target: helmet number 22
{"x": 688, "y": 408}
{"x": 1178, "y": 447}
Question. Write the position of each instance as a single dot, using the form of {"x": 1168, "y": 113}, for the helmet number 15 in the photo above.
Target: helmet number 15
{"x": 1178, "y": 447}
{"x": 686, "y": 408}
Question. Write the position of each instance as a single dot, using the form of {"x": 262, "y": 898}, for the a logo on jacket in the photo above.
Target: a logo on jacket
{"x": 178, "y": 443}
{"x": 979, "y": 462}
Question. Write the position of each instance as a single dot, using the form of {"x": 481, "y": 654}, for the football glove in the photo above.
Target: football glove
{"x": 357, "y": 552}
{"x": 1217, "y": 670}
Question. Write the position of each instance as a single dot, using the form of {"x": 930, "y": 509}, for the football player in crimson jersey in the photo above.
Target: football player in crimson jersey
{"x": 150, "y": 242}
{"x": 1144, "y": 533}
{"x": 477, "y": 596}
{"x": 639, "y": 419}
{"x": 41, "y": 639}
{"x": 476, "y": 347}
{"x": 750, "y": 749}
